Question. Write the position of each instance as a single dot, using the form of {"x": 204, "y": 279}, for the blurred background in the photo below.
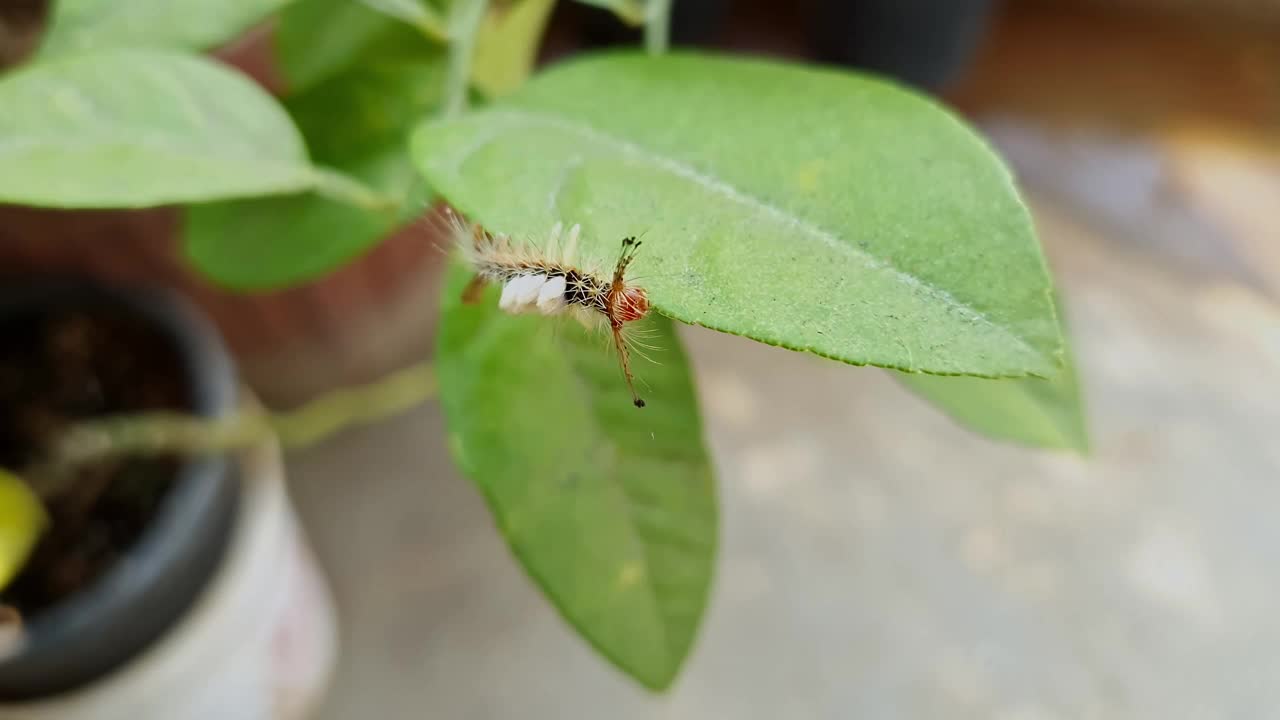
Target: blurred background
{"x": 877, "y": 560}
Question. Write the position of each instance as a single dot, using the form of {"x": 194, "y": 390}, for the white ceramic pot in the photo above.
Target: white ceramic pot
{"x": 259, "y": 643}
{"x": 217, "y": 611}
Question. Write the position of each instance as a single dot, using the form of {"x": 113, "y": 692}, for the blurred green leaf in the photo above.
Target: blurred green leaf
{"x": 317, "y": 39}
{"x": 134, "y": 128}
{"x": 80, "y": 25}
{"x": 22, "y": 520}
{"x": 357, "y": 122}
{"x": 375, "y": 103}
{"x": 813, "y": 209}
{"x": 611, "y": 509}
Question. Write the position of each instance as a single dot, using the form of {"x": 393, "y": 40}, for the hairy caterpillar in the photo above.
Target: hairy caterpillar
{"x": 547, "y": 281}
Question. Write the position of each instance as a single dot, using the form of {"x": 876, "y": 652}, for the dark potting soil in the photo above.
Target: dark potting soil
{"x": 58, "y": 366}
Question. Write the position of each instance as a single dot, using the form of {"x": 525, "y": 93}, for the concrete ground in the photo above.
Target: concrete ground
{"x": 877, "y": 561}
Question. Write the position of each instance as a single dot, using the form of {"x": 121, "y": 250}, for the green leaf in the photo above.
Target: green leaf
{"x": 508, "y": 45}
{"x": 80, "y": 25}
{"x": 22, "y": 520}
{"x": 812, "y": 209}
{"x": 611, "y": 509}
{"x": 268, "y": 243}
{"x": 375, "y": 103}
{"x": 317, "y": 39}
{"x": 1029, "y": 411}
{"x": 134, "y": 128}
{"x": 630, "y": 11}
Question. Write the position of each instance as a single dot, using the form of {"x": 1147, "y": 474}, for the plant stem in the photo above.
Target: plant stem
{"x": 350, "y": 191}
{"x": 464, "y": 26}
{"x": 657, "y": 26}
{"x": 387, "y": 396}
{"x": 164, "y": 433}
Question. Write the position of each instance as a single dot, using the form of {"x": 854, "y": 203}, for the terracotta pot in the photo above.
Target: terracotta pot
{"x": 364, "y": 319}
{"x": 1254, "y": 13}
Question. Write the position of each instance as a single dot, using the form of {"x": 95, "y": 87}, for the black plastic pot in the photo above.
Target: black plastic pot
{"x": 926, "y": 43}
{"x": 135, "y": 602}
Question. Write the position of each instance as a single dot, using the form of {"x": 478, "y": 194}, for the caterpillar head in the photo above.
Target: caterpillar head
{"x": 632, "y": 303}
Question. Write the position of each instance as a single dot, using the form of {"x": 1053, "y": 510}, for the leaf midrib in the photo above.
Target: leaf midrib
{"x": 20, "y": 146}
{"x": 512, "y": 119}
{"x": 618, "y": 489}
{"x": 494, "y": 333}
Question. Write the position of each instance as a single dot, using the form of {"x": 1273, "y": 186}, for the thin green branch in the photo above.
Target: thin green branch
{"x": 389, "y": 395}
{"x": 166, "y": 433}
{"x": 657, "y": 26}
{"x": 350, "y": 191}
{"x": 464, "y": 27}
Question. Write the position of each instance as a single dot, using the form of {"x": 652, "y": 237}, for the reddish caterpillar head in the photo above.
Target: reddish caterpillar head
{"x": 632, "y": 304}
{"x": 626, "y": 303}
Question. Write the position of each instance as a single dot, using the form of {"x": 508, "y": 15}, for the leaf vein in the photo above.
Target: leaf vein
{"x": 680, "y": 168}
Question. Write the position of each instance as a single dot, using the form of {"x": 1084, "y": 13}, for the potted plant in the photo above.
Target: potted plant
{"x": 145, "y": 560}
{"x": 818, "y": 210}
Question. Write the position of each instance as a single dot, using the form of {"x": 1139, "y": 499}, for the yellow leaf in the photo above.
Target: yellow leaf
{"x": 22, "y": 519}
{"x": 508, "y": 45}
